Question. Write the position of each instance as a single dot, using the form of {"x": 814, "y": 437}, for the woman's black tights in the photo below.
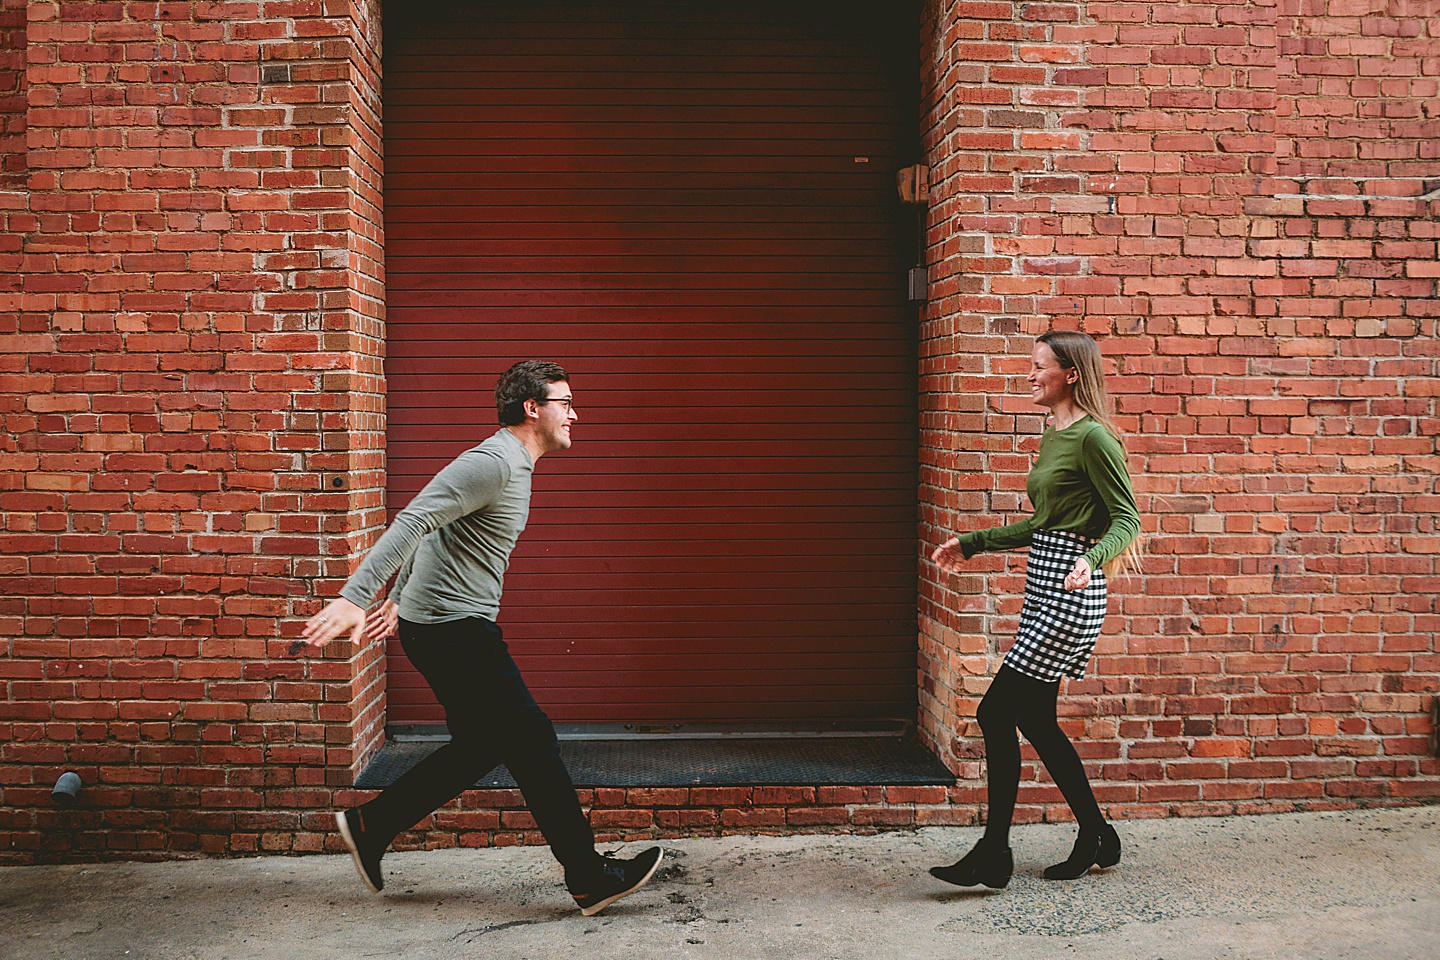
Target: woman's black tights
{"x": 1015, "y": 700}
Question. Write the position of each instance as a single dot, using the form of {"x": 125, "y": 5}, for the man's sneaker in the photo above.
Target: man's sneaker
{"x": 617, "y": 879}
{"x": 366, "y": 855}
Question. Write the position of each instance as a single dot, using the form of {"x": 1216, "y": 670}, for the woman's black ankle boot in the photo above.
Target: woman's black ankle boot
{"x": 990, "y": 864}
{"x": 1092, "y": 849}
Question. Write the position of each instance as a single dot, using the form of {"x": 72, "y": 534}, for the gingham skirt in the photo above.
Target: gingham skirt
{"x": 1058, "y": 627}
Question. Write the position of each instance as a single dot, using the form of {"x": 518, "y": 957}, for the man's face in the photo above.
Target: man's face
{"x": 555, "y": 413}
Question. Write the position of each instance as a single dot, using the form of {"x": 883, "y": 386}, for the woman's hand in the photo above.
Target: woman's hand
{"x": 948, "y": 555}
{"x": 1079, "y": 578}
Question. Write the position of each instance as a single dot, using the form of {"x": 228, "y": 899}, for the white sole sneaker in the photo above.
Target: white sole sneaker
{"x": 594, "y": 908}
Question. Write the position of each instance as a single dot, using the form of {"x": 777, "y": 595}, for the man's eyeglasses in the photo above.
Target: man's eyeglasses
{"x": 568, "y": 401}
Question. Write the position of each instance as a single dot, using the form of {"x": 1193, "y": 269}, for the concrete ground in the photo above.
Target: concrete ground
{"x": 1306, "y": 886}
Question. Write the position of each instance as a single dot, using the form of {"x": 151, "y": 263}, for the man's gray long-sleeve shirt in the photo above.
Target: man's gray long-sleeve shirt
{"x": 452, "y": 543}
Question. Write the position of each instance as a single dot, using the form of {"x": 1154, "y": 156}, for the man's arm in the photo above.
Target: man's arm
{"x": 469, "y": 483}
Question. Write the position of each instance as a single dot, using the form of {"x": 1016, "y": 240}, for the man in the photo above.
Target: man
{"x": 451, "y": 546}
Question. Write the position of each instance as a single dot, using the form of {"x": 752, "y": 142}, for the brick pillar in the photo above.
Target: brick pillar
{"x": 196, "y": 417}
{"x": 1001, "y": 84}
{"x": 1271, "y": 333}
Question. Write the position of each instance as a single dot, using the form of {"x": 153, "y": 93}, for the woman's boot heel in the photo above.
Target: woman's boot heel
{"x": 1100, "y": 849}
{"x": 1108, "y": 853}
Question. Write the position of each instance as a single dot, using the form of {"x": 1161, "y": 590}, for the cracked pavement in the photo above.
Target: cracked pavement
{"x": 1328, "y": 885}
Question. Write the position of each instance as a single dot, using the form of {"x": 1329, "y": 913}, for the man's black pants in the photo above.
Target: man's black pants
{"x": 493, "y": 719}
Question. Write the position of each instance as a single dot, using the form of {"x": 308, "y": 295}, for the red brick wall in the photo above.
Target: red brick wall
{"x": 482, "y": 818}
{"x": 1235, "y": 197}
{"x": 1116, "y": 168}
{"x": 12, "y": 94}
{"x": 1359, "y": 94}
{"x": 194, "y": 421}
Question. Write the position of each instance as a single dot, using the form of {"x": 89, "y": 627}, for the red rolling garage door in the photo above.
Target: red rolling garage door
{"x": 692, "y": 207}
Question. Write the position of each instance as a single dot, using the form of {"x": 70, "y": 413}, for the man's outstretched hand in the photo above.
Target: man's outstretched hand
{"x": 339, "y": 618}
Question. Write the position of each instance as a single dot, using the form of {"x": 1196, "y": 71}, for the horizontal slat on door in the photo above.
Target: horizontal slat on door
{"x": 692, "y": 207}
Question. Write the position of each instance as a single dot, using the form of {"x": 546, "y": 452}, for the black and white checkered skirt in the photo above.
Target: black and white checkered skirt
{"x": 1058, "y": 627}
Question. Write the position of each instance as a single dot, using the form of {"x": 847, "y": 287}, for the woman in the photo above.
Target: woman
{"x": 1085, "y": 522}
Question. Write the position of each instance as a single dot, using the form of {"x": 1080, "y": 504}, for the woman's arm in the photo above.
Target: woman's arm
{"x": 1103, "y": 460}
{"x": 949, "y": 554}
{"x": 1009, "y": 537}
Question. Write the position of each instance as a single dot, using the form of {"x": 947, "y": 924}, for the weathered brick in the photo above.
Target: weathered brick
{"x": 193, "y": 344}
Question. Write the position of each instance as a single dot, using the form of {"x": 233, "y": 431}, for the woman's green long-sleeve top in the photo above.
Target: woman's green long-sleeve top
{"x": 1079, "y": 484}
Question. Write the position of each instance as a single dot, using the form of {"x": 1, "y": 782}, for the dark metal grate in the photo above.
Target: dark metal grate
{"x": 656, "y": 762}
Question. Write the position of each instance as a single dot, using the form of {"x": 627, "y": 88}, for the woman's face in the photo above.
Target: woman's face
{"x": 1050, "y": 383}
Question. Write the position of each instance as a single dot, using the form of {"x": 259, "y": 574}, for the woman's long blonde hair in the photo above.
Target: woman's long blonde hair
{"x": 1079, "y": 352}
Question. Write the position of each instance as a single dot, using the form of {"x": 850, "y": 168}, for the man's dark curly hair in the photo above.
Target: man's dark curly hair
{"x": 526, "y": 380}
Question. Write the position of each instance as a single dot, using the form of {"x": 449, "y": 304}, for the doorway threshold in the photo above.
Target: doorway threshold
{"x": 700, "y": 755}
